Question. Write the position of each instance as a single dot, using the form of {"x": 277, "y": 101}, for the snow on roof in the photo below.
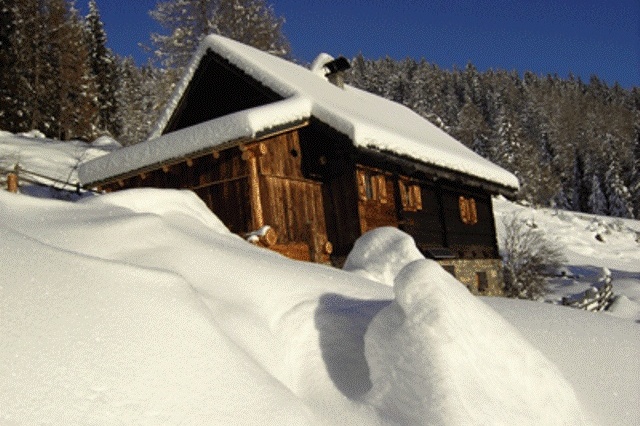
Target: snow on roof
{"x": 370, "y": 121}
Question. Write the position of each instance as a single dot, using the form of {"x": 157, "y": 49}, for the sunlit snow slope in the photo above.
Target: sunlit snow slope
{"x": 139, "y": 307}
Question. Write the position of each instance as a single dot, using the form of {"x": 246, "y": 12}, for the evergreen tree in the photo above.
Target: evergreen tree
{"x": 618, "y": 195}
{"x": 597, "y": 199}
{"x": 23, "y": 89}
{"x": 141, "y": 96}
{"x": 471, "y": 129}
{"x": 103, "y": 70}
{"x": 252, "y": 22}
{"x": 71, "y": 110}
{"x": 8, "y": 61}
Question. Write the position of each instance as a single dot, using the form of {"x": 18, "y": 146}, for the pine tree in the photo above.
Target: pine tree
{"x": 141, "y": 95}
{"x": 23, "y": 89}
{"x": 597, "y": 199}
{"x": 8, "y": 60}
{"x": 72, "y": 109}
{"x": 103, "y": 70}
{"x": 618, "y": 195}
{"x": 471, "y": 128}
{"x": 252, "y": 22}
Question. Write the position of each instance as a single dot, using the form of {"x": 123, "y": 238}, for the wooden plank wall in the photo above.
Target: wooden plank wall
{"x": 340, "y": 198}
{"x": 471, "y": 241}
{"x": 425, "y": 225}
{"x": 291, "y": 204}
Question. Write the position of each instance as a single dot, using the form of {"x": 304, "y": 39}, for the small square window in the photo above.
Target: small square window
{"x": 482, "y": 282}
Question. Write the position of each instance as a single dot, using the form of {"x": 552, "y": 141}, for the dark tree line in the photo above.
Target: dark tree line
{"x": 56, "y": 73}
{"x": 58, "y": 76}
{"x": 573, "y": 144}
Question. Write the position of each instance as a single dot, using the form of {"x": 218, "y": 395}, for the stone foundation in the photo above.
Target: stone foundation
{"x": 481, "y": 276}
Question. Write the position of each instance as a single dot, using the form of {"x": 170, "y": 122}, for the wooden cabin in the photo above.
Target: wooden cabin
{"x": 265, "y": 142}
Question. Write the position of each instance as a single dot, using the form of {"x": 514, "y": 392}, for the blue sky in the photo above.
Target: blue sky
{"x": 544, "y": 36}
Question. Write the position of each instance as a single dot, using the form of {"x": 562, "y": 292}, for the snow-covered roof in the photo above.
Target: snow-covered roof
{"x": 369, "y": 121}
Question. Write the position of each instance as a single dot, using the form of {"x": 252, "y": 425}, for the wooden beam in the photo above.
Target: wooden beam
{"x": 215, "y": 154}
{"x": 254, "y": 191}
{"x": 165, "y": 168}
{"x": 143, "y": 176}
{"x": 189, "y": 162}
{"x": 255, "y": 150}
{"x": 261, "y": 149}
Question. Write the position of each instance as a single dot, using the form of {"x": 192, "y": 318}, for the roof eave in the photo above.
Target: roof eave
{"x": 410, "y": 165}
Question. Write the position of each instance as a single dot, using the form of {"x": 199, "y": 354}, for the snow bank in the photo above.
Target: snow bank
{"x": 380, "y": 254}
{"x": 597, "y": 353}
{"x": 626, "y": 303}
{"x": 576, "y": 234}
{"x": 139, "y": 307}
{"x": 91, "y": 341}
{"x": 439, "y": 353}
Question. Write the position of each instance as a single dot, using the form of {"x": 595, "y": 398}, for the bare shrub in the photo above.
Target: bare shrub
{"x": 528, "y": 257}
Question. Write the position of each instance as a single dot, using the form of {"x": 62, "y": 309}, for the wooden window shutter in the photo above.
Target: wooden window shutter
{"x": 404, "y": 195}
{"x": 362, "y": 185}
{"x": 464, "y": 210}
{"x": 468, "y": 210}
{"x": 416, "y": 197}
{"x": 473, "y": 211}
{"x": 380, "y": 189}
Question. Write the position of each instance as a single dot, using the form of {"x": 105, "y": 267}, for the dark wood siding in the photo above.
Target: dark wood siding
{"x": 228, "y": 200}
{"x": 425, "y": 225}
{"x": 341, "y": 212}
{"x": 469, "y": 240}
{"x": 283, "y": 158}
{"x": 218, "y": 88}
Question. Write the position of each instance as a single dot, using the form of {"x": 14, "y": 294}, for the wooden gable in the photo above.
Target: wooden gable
{"x": 216, "y": 89}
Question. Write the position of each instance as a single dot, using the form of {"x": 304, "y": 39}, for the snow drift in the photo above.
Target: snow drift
{"x": 140, "y": 307}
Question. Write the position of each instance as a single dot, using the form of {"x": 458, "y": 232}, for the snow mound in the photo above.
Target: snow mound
{"x": 439, "y": 353}
{"x": 380, "y": 254}
{"x": 179, "y": 205}
{"x": 107, "y": 143}
{"x": 626, "y": 303}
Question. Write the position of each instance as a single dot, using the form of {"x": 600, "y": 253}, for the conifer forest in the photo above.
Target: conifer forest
{"x": 573, "y": 144}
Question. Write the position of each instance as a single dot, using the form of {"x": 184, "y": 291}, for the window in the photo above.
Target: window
{"x": 411, "y": 196}
{"x": 372, "y": 186}
{"x": 482, "y": 282}
{"x": 468, "y": 210}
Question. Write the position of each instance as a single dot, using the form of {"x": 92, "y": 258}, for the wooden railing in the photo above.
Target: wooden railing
{"x": 594, "y": 299}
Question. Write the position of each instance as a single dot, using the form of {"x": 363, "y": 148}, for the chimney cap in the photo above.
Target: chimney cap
{"x": 337, "y": 65}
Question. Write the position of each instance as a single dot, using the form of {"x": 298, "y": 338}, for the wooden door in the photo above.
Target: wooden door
{"x": 376, "y": 200}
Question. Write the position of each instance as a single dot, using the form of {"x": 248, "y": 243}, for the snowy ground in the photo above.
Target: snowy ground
{"x": 139, "y": 307}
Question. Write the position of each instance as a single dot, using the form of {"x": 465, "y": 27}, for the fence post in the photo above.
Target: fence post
{"x": 12, "y": 182}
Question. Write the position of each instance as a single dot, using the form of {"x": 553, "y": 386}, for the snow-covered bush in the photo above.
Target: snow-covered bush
{"x": 527, "y": 257}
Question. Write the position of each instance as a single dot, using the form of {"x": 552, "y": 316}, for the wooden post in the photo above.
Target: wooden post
{"x": 12, "y": 182}
{"x": 269, "y": 238}
{"x": 254, "y": 188}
